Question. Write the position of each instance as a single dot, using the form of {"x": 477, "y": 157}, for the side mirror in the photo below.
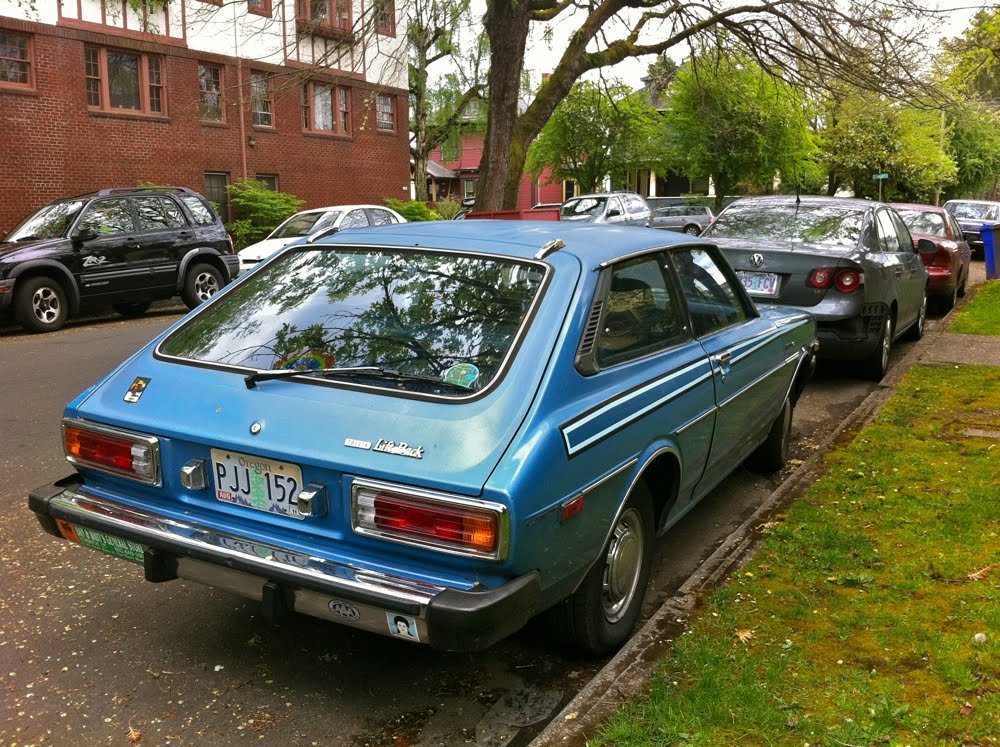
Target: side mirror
{"x": 83, "y": 235}
{"x": 927, "y": 248}
{"x": 614, "y": 212}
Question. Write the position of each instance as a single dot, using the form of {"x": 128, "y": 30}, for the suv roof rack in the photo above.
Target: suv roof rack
{"x": 125, "y": 190}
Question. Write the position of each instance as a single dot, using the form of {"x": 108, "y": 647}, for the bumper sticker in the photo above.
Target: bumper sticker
{"x": 116, "y": 546}
{"x": 402, "y": 626}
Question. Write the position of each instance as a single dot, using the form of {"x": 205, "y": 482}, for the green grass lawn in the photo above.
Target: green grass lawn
{"x": 871, "y": 614}
{"x": 981, "y": 316}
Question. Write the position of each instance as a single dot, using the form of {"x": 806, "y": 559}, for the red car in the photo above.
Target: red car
{"x": 949, "y": 268}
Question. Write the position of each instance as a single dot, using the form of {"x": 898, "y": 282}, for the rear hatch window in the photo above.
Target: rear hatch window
{"x": 435, "y": 322}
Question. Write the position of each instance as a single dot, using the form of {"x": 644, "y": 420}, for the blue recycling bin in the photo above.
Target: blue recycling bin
{"x": 989, "y": 233}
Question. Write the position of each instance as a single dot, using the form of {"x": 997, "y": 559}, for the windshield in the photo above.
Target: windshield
{"x": 304, "y": 224}
{"x": 51, "y": 222}
{"x": 583, "y": 207}
{"x": 451, "y": 317}
{"x": 974, "y": 210}
{"x": 830, "y": 225}
{"x": 919, "y": 221}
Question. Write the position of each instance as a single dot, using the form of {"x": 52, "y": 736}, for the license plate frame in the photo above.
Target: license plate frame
{"x": 759, "y": 283}
{"x": 259, "y": 483}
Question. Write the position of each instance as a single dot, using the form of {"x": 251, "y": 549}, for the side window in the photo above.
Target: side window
{"x": 709, "y": 291}
{"x": 108, "y": 217}
{"x": 887, "y": 239}
{"x": 956, "y": 230}
{"x": 903, "y": 233}
{"x": 615, "y": 204}
{"x": 355, "y": 219}
{"x": 869, "y": 236}
{"x": 635, "y": 204}
{"x": 199, "y": 210}
{"x": 158, "y": 213}
{"x": 381, "y": 217}
{"x": 641, "y": 314}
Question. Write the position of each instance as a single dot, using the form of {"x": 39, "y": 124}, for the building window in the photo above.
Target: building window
{"x": 260, "y": 100}
{"x": 335, "y": 13}
{"x": 385, "y": 111}
{"x": 325, "y": 108}
{"x": 215, "y": 191}
{"x": 569, "y": 189}
{"x": 124, "y": 81}
{"x": 260, "y": 7}
{"x": 268, "y": 181}
{"x": 15, "y": 60}
{"x": 210, "y": 92}
{"x": 469, "y": 188}
{"x": 385, "y": 17}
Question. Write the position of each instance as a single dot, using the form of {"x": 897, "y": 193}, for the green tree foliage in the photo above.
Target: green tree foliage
{"x": 975, "y": 146}
{"x": 727, "y": 118}
{"x": 596, "y": 131}
{"x": 867, "y": 134}
{"x": 973, "y": 57}
{"x": 259, "y": 210}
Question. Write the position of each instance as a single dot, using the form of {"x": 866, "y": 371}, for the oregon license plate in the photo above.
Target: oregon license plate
{"x": 257, "y": 482}
{"x": 760, "y": 283}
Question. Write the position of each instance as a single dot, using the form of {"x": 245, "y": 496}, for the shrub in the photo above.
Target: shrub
{"x": 448, "y": 208}
{"x": 259, "y": 210}
{"x": 413, "y": 211}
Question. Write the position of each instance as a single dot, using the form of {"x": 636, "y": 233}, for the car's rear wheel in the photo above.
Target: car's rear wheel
{"x": 132, "y": 309}
{"x": 772, "y": 454}
{"x": 961, "y": 288}
{"x": 876, "y": 364}
{"x": 916, "y": 330}
{"x": 202, "y": 282}
{"x": 692, "y": 230}
{"x": 598, "y": 618}
{"x": 40, "y": 304}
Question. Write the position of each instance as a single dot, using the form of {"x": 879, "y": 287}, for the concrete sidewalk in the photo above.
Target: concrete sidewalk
{"x": 627, "y": 673}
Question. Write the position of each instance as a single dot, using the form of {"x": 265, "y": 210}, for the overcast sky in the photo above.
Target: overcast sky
{"x": 543, "y": 55}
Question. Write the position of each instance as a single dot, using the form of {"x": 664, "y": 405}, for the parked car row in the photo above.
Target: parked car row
{"x": 436, "y": 432}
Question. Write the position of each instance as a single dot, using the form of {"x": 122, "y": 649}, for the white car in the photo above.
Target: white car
{"x": 318, "y": 220}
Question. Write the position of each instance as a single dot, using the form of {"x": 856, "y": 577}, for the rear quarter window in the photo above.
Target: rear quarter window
{"x": 200, "y": 210}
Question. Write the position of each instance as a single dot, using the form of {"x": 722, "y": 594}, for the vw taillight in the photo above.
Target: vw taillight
{"x": 112, "y": 450}
{"x": 847, "y": 281}
{"x": 441, "y": 522}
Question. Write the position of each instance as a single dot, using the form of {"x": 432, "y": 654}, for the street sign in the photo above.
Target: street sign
{"x": 880, "y": 176}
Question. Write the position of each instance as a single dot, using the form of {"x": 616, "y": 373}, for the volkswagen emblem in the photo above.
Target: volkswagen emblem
{"x": 757, "y": 259}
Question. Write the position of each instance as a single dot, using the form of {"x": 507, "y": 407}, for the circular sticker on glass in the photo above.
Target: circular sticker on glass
{"x": 311, "y": 359}
{"x": 463, "y": 374}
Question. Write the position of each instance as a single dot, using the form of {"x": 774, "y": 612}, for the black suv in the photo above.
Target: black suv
{"x": 123, "y": 248}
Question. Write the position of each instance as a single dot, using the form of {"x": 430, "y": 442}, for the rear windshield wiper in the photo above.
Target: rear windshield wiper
{"x": 375, "y": 372}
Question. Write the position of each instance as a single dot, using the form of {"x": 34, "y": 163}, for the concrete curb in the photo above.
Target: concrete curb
{"x": 633, "y": 666}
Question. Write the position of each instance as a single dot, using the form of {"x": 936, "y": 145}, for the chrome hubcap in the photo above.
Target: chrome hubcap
{"x": 622, "y": 566}
{"x": 205, "y": 286}
{"x": 45, "y": 304}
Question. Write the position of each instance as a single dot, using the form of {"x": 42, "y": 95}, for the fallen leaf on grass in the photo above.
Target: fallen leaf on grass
{"x": 744, "y": 636}
{"x": 570, "y": 716}
{"x": 133, "y": 735}
{"x": 966, "y": 709}
{"x": 981, "y": 573}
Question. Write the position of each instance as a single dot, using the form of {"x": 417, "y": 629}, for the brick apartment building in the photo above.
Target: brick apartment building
{"x": 308, "y": 96}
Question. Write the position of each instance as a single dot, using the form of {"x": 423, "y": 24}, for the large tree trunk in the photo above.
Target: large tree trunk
{"x": 506, "y": 24}
{"x": 420, "y": 191}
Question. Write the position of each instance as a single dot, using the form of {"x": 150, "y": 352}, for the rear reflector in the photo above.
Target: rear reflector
{"x": 112, "y": 450}
{"x": 448, "y": 523}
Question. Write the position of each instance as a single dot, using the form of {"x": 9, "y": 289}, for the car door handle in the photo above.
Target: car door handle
{"x": 185, "y": 235}
{"x": 723, "y": 359}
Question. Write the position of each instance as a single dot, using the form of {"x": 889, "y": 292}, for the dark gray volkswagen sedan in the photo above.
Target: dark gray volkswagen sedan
{"x": 850, "y": 263}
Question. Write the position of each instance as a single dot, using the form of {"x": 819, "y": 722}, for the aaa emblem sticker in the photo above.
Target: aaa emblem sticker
{"x": 138, "y": 387}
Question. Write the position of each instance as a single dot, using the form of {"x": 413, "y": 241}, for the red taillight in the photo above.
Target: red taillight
{"x": 847, "y": 281}
{"x": 112, "y": 451}
{"x": 232, "y": 246}
{"x": 440, "y": 524}
{"x": 942, "y": 258}
{"x": 844, "y": 281}
{"x": 820, "y": 277}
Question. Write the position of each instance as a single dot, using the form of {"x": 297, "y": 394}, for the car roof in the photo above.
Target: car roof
{"x": 917, "y": 206}
{"x": 846, "y": 202}
{"x": 974, "y": 202}
{"x": 518, "y": 239}
{"x": 328, "y": 208}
